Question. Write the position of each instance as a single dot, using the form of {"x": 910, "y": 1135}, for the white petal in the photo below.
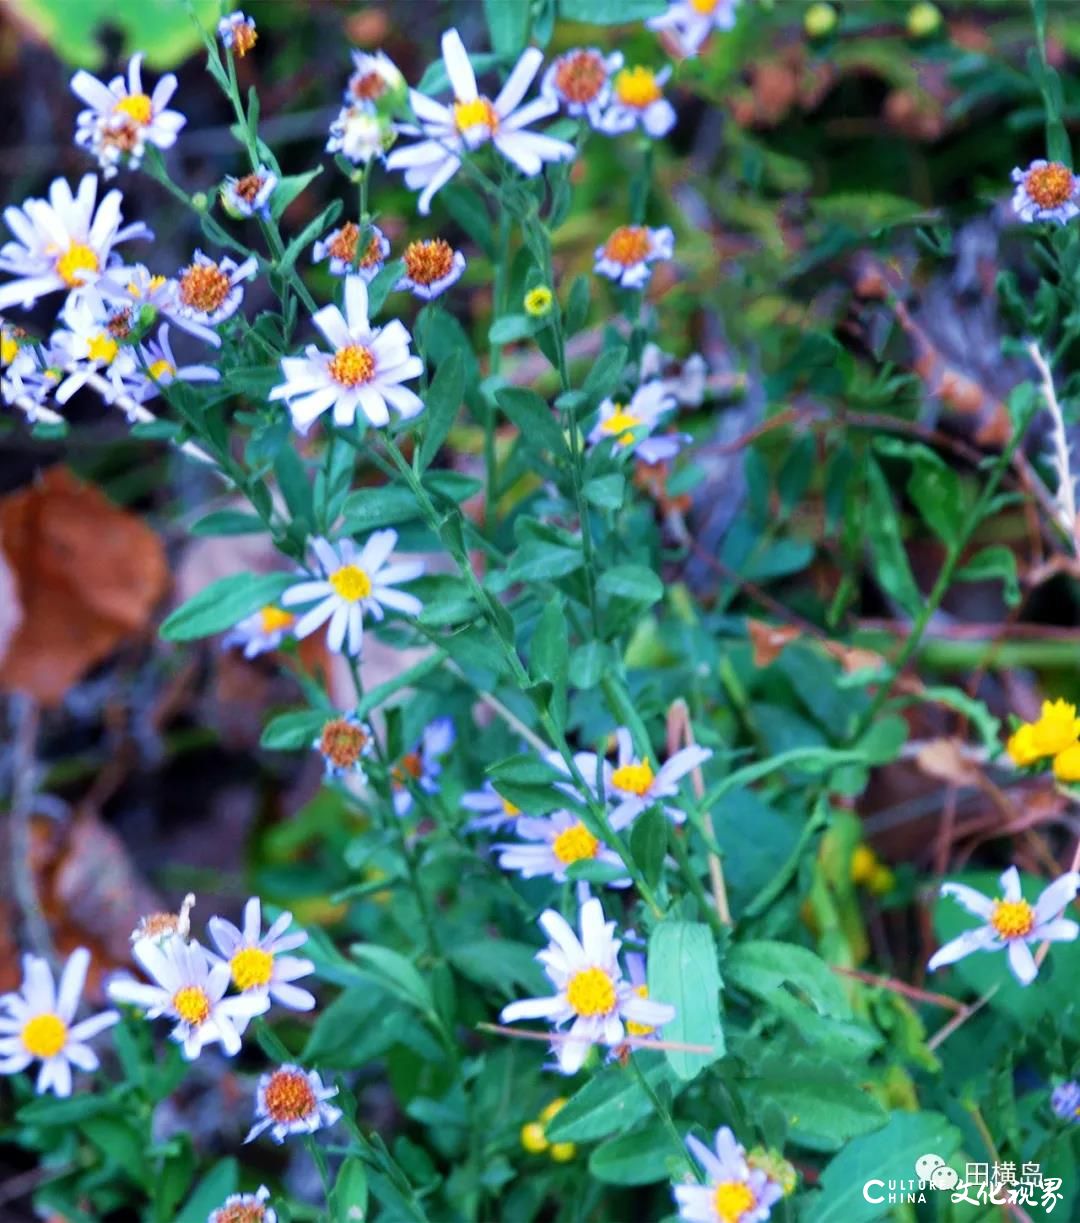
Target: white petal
{"x": 1022, "y": 962}
{"x": 975, "y": 902}
{"x": 518, "y": 82}
{"x": 458, "y": 68}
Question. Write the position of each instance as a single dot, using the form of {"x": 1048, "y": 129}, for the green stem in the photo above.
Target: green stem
{"x": 664, "y": 1113}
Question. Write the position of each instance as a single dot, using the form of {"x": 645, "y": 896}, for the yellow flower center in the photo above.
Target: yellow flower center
{"x": 704, "y": 7}
{"x": 580, "y": 76}
{"x": 240, "y": 1212}
{"x": 288, "y": 1096}
{"x": 863, "y": 863}
{"x": 272, "y": 619}
{"x": 353, "y": 365}
{"x": 350, "y": 583}
{"x": 633, "y": 778}
{"x": 732, "y": 1200}
{"x": 342, "y": 742}
{"x": 574, "y": 844}
{"x": 9, "y": 349}
{"x": 509, "y": 808}
{"x": 244, "y": 36}
{"x": 591, "y": 992}
{"x": 343, "y": 246}
{"x": 1051, "y": 185}
{"x": 427, "y": 262}
{"x": 251, "y": 967}
{"x": 533, "y": 1138}
{"x": 138, "y": 108}
{"x": 620, "y": 424}
{"x": 628, "y": 245}
{"x": 44, "y": 1035}
{"x": 1012, "y": 918}
{"x": 248, "y": 187}
{"x": 192, "y": 1004}
{"x": 477, "y": 113}
{"x": 77, "y": 259}
{"x": 640, "y": 1029}
{"x": 637, "y": 87}
{"x": 204, "y": 287}
{"x": 410, "y": 765}
{"x": 162, "y": 369}
{"x": 367, "y": 86}
{"x": 101, "y": 348}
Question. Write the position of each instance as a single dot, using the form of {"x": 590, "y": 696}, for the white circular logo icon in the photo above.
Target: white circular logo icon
{"x": 944, "y": 1177}
{"x": 927, "y": 1165}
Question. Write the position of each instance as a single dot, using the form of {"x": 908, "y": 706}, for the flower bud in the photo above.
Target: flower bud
{"x": 820, "y": 20}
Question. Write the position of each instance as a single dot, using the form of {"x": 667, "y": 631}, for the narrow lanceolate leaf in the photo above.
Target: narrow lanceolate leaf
{"x": 442, "y": 401}
{"x": 684, "y": 973}
{"x": 890, "y": 558}
{"x": 224, "y": 603}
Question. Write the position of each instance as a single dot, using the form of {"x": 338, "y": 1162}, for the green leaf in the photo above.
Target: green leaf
{"x": 224, "y": 603}
{"x": 509, "y": 26}
{"x": 883, "y": 531}
{"x": 648, "y": 843}
{"x": 214, "y": 1188}
{"x": 610, "y": 12}
{"x": 228, "y": 522}
{"x": 537, "y": 561}
{"x": 502, "y": 965}
{"x": 290, "y": 731}
{"x": 939, "y": 496}
{"x": 763, "y": 966}
{"x": 289, "y": 188}
{"x": 606, "y": 492}
{"x": 605, "y": 374}
{"x": 533, "y": 418}
{"x": 640, "y": 1158}
{"x": 577, "y": 305}
{"x": 442, "y": 402}
{"x": 162, "y": 29}
{"x": 593, "y": 871}
{"x": 823, "y": 1105}
{"x": 994, "y": 562}
{"x": 633, "y": 582}
{"x": 383, "y": 284}
{"x": 348, "y": 1198}
{"x": 511, "y": 328}
{"x": 888, "y": 1154}
{"x": 683, "y": 972}
{"x": 549, "y": 655}
{"x": 383, "y": 506}
{"x": 610, "y": 1102}
{"x": 397, "y": 973}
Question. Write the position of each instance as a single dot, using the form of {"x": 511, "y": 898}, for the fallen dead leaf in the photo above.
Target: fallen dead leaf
{"x": 768, "y": 640}
{"x": 88, "y": 576}
{"x": 944, "y": 760}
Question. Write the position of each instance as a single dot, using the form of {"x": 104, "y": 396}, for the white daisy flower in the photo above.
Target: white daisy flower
{"x": 249, "y": 196}
{"x": 376, "y": 81}
{"x": 360, "y": 135}
{"x": 343, "y": 743}
{"x": 423, "y": 764}
{"x": 492, "y": 810}
{"x": 1046, "y": 191}
{"x": 62, "y": 244}
{"x": 135, "y": 293}
{"x": 735, "y": 1192}
{"x": 626, "y": 255}
{"x": 160, "y": 927}
{"x": 355, "y": 581}
{"x": 631, "y": 425}
{"x": 473, "y": 120}
{"x": 592, "y": 994}
{"x": 558, "y": 841}
{"x": 237, "y": 32}
{"x": 690, "y": 22}
{"x": 292, "y": 1100}
{"x": 431, "y": 267}
{"x": 365, "y": 370}
{"x": 258, "y": 962}
{"x": 122, "y": 120}
{"x": 209, "y": 292}
{"x": 580, "y": 82}
{"x": 686, "y": 381}
{"x": 340, "y": 247}
{"x": 162, "y": 369}
{"x": 245, "y": 1208}
{"x": 1011, "y": 922}
{"x": 638, "y": 101}
{"x": 189, "y": 990}
{"x": 27, "y": 384}
{"x": 261, "y": 632}
{"x": 86, "y": 346}
{"x": 39, "y": 1024}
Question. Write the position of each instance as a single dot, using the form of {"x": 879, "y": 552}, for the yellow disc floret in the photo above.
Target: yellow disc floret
{"x": 76, "y": 260}
{"x": 633, "y": 778}
{"x": 161, "y": 369}
{"x": 574, "y": 844}
{"x": 732, "y": 1199}
{"x": 538, "y": 301}
{"x": 533, "y": 1138}
{"x": 138, "y": 108}
{"x": 274, "y": 619}
{"x": 637, "y": 87}
{"x": 353, "y": 365}
{"x": 1012, "y": 918}
{"x": 640, "y": 1029}
{"x": 591, "y": 992}
{"x": 350, "y": 583}
{"x": 288, "y": 1096}
{"x": 621, "y": 425}
{"x": 1050, "y": 186}
{"x": 102, "y": 348}
{"x": 251, "y": 968}
{"x": 44, "y": 1035}
{"x": 477, "y": 113}
{"x": 192, "y": 1004}
{"x": 628, "y": 245}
